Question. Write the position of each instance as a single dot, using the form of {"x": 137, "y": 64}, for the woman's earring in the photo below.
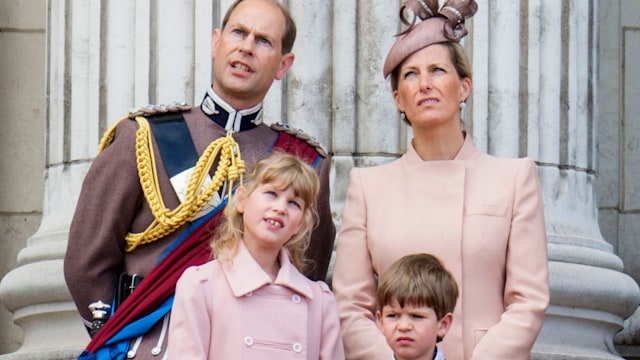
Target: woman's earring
{"x": 403, "y": 116}
{"x": 463, "y": 105}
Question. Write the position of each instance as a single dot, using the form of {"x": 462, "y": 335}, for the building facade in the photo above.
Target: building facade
{"x": 556, "y": 81}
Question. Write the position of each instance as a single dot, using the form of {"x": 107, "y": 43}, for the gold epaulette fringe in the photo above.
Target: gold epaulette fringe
{"x": 298, "y": 133}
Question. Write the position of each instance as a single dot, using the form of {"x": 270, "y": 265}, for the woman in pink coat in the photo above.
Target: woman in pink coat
{"x": 252, "y": 301}
{"x": 481, "y": 215}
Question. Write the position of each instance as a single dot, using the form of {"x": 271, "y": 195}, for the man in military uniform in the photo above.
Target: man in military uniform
{"x": 153, "y": 194}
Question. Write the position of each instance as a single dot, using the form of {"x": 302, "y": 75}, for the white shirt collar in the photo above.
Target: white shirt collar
{"x": 212, "y": 104}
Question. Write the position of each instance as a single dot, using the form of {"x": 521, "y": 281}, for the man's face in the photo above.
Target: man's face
{"x": 247, "y": 53}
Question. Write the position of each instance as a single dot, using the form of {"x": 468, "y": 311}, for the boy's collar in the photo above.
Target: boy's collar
{"x": 436, "y": 355}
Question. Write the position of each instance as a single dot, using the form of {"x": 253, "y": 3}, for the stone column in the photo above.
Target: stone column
{"x": 22, "y": 129}
{"x": 536, "y": 95}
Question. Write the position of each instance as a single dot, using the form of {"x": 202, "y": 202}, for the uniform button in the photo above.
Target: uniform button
{"x": 297, "y": 347}
{"x": 296, "y": 299}
{"x": 248, "y": 341}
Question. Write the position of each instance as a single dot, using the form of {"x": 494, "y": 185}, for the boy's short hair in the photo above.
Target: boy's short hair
{"x": 419, "y": 280}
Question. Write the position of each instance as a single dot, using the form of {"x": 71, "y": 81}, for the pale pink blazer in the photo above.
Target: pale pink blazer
{"x": 481, "y": 215}
{"x": 239, "y": 313}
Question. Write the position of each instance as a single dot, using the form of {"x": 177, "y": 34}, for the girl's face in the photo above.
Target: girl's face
{"x": 271, "y": 216}
{"x": 429, "y": 89}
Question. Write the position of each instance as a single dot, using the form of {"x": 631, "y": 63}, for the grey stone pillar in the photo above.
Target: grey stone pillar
{"x": 536, "y": 95}
{"x": 22, "y": 124}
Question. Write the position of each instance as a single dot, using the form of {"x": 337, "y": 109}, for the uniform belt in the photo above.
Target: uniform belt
{"x": 126, "y": 284}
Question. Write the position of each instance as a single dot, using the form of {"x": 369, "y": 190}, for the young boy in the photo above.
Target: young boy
{"x": 416, "y": 298}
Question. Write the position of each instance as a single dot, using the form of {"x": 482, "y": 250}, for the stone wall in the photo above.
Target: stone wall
{"x": 22, "y": 137}
{"x": 619, "y": 145}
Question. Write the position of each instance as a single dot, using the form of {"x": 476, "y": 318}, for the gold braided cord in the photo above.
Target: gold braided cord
{"x": 107, "y": 138}
{"x": 230, "y": 167}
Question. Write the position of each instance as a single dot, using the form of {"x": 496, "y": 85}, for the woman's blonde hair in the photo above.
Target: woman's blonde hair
{"x": 283, "y": 170}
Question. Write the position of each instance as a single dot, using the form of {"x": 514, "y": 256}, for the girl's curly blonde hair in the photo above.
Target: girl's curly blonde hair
{"x": 285, "y": 171}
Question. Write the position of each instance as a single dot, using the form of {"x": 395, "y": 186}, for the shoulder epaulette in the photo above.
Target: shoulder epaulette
{"x": 145, "y": 112}
{"x": 150, "y": 110}
{"x": 298, "y": 133}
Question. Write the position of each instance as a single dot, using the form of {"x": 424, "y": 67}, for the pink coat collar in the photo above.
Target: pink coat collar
{"x": 467, "y": 152}
{"x": 246, "y": 276}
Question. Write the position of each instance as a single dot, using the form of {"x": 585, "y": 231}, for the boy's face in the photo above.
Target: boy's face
{"x": 411, "y": 331}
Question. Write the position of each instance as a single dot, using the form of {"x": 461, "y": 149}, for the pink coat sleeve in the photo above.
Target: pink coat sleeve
{"x": 190, "y": 326}
{"x": 353, "y": 281}
{"x": 331, "y": 347}
{"x": 526, "y": 293}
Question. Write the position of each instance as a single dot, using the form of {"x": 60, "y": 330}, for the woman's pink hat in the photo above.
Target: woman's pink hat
{"x": 436, "y": 26}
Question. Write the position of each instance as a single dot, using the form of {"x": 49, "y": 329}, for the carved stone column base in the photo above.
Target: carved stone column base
{"x": 588, "y": 307}
{"x": 576, "y": 334}
{"x": 628, "y": 340}
{"x": 36, "y": 294}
